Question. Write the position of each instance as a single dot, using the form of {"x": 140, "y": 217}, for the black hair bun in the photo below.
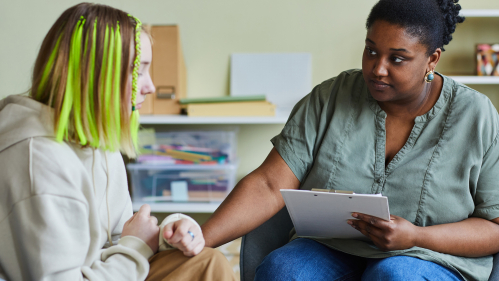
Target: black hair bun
{"x": 450, "y": 12}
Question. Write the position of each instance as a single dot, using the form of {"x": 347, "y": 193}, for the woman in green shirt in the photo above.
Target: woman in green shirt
{"x": 395, "y": 127}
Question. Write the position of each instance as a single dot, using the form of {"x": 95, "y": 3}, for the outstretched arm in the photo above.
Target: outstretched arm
{"x": 254, "y": 200}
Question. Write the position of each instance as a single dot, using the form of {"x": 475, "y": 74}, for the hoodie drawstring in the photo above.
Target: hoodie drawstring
{"x": 93, "y": 177}
{"x": 107, "y": 194}
{"x": 107, "y": 203}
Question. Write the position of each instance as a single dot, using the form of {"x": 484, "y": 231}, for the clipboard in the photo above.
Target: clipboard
{"x": 322, "y": 214}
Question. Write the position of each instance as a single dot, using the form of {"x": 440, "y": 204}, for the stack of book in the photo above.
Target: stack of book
{"x": 228, "y": 106}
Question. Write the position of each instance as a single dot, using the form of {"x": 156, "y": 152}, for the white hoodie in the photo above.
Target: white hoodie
{"x": 59, "y": 203}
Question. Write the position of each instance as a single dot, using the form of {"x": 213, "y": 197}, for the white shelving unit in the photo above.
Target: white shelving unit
{"x": 179, "y": 207}
{"x": 280, "y": 118}
{"x": 202, "y": 207}
{"x": 477, "y": 80}
{"x": 171, "y": 207}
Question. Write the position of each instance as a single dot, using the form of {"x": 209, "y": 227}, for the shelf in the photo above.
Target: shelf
{"x": 480, "y": 13}
{"x": 179, "y": 207}
{"x": 280, "y": 118}
{"x": 475, "y": 80}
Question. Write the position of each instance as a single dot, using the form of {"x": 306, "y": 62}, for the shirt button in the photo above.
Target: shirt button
{"x": 378, "y": 180}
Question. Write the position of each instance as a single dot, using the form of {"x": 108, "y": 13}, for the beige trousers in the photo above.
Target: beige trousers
{"x": 208, "y": 265}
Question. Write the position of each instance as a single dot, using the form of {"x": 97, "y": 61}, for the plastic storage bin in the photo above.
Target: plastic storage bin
{"x": 191, "y": 147}
{"x": 181, "y": 183}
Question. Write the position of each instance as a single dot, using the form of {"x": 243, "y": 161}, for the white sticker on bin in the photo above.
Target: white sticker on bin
{"x": 179, "y": 191}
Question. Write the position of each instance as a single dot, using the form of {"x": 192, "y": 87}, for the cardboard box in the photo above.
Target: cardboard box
{"x": 167, "y": 71}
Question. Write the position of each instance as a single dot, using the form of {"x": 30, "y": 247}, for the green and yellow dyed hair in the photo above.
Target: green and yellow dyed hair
{"x": 83, "y": 71}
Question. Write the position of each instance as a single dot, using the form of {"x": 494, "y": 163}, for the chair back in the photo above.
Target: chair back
{"x": 257, "y": 244}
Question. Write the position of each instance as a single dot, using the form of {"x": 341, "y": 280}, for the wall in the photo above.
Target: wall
{"x": 332, "y": 30}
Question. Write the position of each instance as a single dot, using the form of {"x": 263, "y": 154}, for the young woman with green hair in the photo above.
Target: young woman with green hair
{"x": 65, "y": 211}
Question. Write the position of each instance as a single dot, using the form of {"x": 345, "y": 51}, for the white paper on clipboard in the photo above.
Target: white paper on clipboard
{"x": 325, "y": 215}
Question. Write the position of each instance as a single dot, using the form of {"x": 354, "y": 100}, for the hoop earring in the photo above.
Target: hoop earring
{"x": 429, "y": 76}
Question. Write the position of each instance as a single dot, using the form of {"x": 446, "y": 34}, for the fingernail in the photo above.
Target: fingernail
{"x": 354, "y": 215}
{"x": 350, "y": 222}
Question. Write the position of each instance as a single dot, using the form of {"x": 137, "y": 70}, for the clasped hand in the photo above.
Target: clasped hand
{"x": 144, "y": 226}
{"x": 178, "y": 235}
{"x": 396, "y": 234}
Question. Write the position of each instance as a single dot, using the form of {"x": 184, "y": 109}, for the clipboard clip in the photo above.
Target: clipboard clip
{"x": 332, "y": 191}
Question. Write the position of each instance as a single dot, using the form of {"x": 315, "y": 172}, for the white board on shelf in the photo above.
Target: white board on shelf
{"x": 284, "y": 78}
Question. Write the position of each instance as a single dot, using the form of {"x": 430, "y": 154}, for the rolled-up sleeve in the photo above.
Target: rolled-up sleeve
{"x": 487, "y": 193}
{"x": 297, "y": 140}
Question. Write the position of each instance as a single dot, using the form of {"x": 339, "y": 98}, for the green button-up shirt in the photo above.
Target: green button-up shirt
{"x": 447, "y": 171}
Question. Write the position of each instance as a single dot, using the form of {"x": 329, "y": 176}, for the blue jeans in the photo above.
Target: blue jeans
{"x": 306, "y": 259}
